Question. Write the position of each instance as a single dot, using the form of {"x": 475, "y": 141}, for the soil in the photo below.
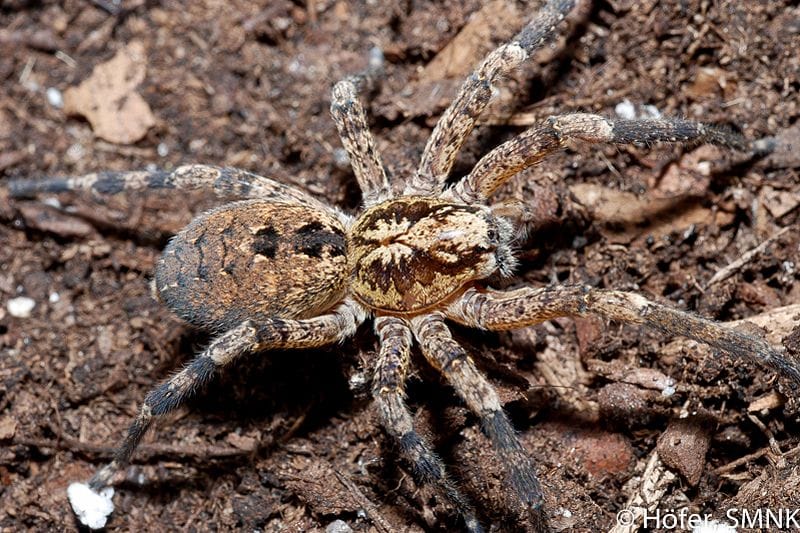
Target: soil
{"x": 289, "y": 440}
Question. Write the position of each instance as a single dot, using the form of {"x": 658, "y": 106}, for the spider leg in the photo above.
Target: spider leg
{"x": 551, "y": 135}
{"x": 388, "y": 389}
{"x": 504, "y": 310}
{"x": 475, "y": 94}
{"x": 351, "y": 121}
{"x": 224, "y": 181}
{"x": 445, "y": 354}
{"x": 245, "y": 338}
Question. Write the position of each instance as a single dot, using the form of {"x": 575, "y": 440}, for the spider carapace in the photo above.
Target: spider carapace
{"x": 414, "y": 253}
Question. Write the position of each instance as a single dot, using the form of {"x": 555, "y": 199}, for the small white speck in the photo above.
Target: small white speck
{"x": 54, "y": 297}
{"x": 357, "y": 381}
{"x": 566, "y": 513}
{"x": 625, "y": 109}
{"x": 376, "y": 59}
{"x": 668, "y": 391}
{"x": 338, "y": 526}
{"x": 21, "y": 306}
{"x": 162, "y": 149}
{"x": 341, "y": 159}
{"x": 54, "y": 97}
{"x": 704, "y": 168}
{"x": 76, "y": 152}
{"x": 295, "y": 66}
{"x": 651, "y": 111}
{"x": 92, "y": 508}
{"x": 52, "y": 202}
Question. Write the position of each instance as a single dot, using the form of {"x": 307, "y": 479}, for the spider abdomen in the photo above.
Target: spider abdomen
{"x": 254, "y": 259}
{"x": 412, "y": 253}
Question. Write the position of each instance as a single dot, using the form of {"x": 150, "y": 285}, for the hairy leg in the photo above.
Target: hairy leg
{"x": 458, "y": 120}
{"x": 504, "y": 310}
{"x": 223, "y": 181}
{"x": 351, "y": 121}
{"x": 388, "y": 389}
{"x": 444, "y": 353}
{"x": 536, "y": 143}
{"x": 243, "y": 339}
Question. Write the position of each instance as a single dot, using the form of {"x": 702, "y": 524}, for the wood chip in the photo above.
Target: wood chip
{"x": 646, "y": 492}
{"x": 771, "y": 400}
{"x": 8, "y": 427}
{"x": 45, "y": 218}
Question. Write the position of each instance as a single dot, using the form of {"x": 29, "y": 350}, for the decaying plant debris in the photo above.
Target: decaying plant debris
{"x": 241, "y": 85}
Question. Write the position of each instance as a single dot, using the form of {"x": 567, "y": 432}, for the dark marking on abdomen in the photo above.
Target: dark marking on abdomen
{"x": 265, "y": 242}
{"x": 202, "y": 268}
{"x": 314, "y": 238}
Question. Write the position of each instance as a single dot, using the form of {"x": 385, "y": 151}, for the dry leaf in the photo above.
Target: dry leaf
{"x": 108, "y": 98}
{"x": 779, "y": 203}
{"x": 441, "y": 78}
{"x": 625, "y": 216}
{"x": 465, "y": 51}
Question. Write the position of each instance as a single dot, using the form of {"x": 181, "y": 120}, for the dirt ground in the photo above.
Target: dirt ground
{"x": 288, "y": 441}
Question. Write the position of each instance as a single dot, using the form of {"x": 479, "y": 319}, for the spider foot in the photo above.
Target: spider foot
{"x": 520, "y": 472}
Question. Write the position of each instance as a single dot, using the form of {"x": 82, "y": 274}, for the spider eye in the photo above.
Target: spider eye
{"x": 492, "y": 234}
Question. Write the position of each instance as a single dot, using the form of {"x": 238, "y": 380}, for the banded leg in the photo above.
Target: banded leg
{"x": 475, "y": 94}
{"x": 536, "y": 143}
{"x": 245, "y": 338}
{"x": 499, "y": 310}
{"x": 445, "y": 354}
{"x": 388, "y": 389}
{"x": 223, "y": 181}
{"x": 351, "y": 121}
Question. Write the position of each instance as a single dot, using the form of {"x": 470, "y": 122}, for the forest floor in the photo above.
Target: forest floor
{"x": 289, "y": 441}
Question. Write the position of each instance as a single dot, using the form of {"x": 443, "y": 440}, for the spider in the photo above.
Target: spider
{"x": 280, "y": 269}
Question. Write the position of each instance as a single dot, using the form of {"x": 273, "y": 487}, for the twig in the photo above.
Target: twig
{"x": 145, "y": 451}
{"x": 773, "y": 443}
{"x": 726, "y": 272}
{"x": 724, "y": 469}
{"x": 370, "y": 508}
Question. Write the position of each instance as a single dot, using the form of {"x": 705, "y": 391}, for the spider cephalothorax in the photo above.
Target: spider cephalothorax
{"x": 413, "y": 253}
{"x": 284, "y": 270}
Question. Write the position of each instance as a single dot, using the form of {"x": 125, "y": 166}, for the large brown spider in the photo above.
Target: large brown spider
{"x": 280, "y": 269}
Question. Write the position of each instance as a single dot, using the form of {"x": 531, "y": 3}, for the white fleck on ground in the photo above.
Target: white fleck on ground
{"x": 21, "y": 306}
{"x": 92, "y": 508}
